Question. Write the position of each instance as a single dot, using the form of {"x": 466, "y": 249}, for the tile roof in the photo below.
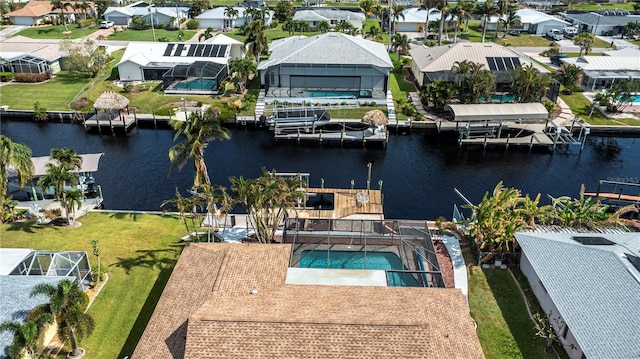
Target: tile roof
{"x": 594, "y": 288}
{"x": 442, "y": 58}
{"x": 37, "y": 8}
{"x": 212, "y": 287}
{"x": 328, "y": 48}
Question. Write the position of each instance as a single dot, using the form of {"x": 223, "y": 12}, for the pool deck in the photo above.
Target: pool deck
{"x": 345, "y": 204}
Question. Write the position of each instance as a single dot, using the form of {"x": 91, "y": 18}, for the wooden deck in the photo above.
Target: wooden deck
{"x": 615, "y": 196}
{"x": 111, "y": 121}
{"x": 345, "y": 204}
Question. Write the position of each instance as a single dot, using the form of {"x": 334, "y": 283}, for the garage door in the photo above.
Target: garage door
{"x": 548, "y": 27}
{"x": 119, "y": 20}
{"x": 22, "y": 21}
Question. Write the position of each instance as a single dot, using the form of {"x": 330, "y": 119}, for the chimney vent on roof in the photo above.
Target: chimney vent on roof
{"x": 254, "y": 292}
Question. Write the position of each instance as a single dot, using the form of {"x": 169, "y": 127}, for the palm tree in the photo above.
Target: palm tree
{"x": 198, "y": 130}
{"x": 267, "y": 199}
{"x": 18, "y": 157}
{"x": 183, "y": 205}
{"x": 486, "y": 11}
{"x": 62, "y": 5}
{"x": 231, "y": 13}
{"x": 469, "y": 8}
{"x": 502, "y": 8}
{"x": 428, "y": 5}
{"x": 242, "y": 69}
{"x": 568, "y": 76}
{"x": 323, "y": 26}
{"x": 366, "y": 5}
{"x": 512, "y": 19}
{"x": 67, "y": 304}
{"x": 374, "y": 32}
{"x": 74, "y": 199}
{"x": 25, "y": 338}
{"x": 207, "y": 34}
{"x": 255, "y": 38}
{"x": 58, "y": 175}
{"x": 67, "y": 156}
{"x": 459, "y": 13}
{"x": 400, "y": 43}
{"x": 444, "y": 8}
{"x": 528, "y": 84}
{"x": 585, "y": 40}
{"x": 398, "y": 13}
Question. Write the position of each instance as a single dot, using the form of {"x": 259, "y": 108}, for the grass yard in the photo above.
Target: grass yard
{"x": 139, "y": 253}
{"x": 400, "y": 89}
{"x": 270, "y": 34}
{"x": 593, "y": 6}
{"x": 524, "y": 40}
{"x": 56, "y": 32}
{"x": 147, "y": 35}
{"x": 504, "y": 327}
{"x": 580, "y": 106}
{"x": 55, "y": 94}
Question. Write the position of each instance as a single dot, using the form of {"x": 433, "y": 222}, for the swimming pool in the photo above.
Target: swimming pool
{"x": 500, "y": 98}
{"x": 197, "y": 84}
{"x": 358, "y": 260}
{"x": 336, "y": 94}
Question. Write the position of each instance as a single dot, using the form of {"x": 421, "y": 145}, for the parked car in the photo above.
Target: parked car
{"x": 514, "y": 32}
{"x": 570, "y": 31}
{"x": 554, "y": 34}
{"x": 555, "y": 59}
{"x": 106, "y": 24}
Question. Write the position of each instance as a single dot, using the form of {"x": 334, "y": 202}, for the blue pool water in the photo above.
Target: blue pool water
{"x": 336, "y": 94}
{"x": 358, "y": 260}
{"x": 197, "y": 84}
{"x": 498, "y": 98}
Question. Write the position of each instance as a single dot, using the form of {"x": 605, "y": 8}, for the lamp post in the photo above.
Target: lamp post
{"x": 153, "y": 30}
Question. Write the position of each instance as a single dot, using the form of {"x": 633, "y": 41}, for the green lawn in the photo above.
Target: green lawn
{"x": 592, "y": 6}
{"x": 55, "y": 94}
{"x": 524, "y": 40}
{"x": 147, "y": 35}
{"x": 270, "y": 34}
{"x": 580, "y": 106}
{"x": 400, "y": 89}
{"x": 56, "y": 32}
{"x": 504, "y": 327}
{"x": 138, "y": 251}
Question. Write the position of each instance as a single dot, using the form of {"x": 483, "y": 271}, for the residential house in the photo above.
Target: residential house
{"x": 600, "y": 72}
{"x": 435, "y": 63}
{"x": 297, "y": 312}
{"x": 413, "y": 19}
{"x": 333, "y": 16}
{"x": 32, "y": 52}
{"x": 588, "y": 284}
{"x": 159, "y": 15}
{"x": 333, "y": 64}
{"x": 183, "y": 67}
{"x": 40, "y": 12}
{"x": 217, "y": 18}
{"x": 603, "y": 22}
{"x": 531, "y": 21}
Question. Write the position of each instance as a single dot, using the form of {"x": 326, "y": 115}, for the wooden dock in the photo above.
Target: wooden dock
{"x": 111, "y": 122}
{"x": 346, "y": 202}
{"x": 618, "y": 193}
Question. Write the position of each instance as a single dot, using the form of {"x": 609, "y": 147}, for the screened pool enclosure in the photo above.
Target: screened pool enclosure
{"x": 56, "y": 264}
{"x": 200, "y": 77}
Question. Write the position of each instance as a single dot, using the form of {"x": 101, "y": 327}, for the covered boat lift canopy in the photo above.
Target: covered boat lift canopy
{"x": 498, "y": 112}
{"x": 89, "y": 163}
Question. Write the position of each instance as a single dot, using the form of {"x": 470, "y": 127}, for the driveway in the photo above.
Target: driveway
{"x": 10, "y": 31}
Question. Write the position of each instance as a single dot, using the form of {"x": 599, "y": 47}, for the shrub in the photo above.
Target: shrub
{"x": 138, "y": 23}
{"x": 83, "y": 102}
{"x": 6, "y": 76}
{"x": 165, "y": 112}
{"x": 159, "y": 26}
{"x": 31, "y": 78}
{"x": 163, "y": 39}
{"x": 84, "y": 23}
{"x": 126, "y": 88}
{"x": 192, "y": 24}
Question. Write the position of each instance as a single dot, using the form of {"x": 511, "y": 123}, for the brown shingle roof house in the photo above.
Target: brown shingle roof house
{"x": 231, "y": 301}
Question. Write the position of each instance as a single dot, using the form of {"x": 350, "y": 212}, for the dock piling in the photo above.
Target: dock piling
{"x": 508, "y": 138}
{"x": 531, "y": 143}
{"x": 484, "y": 144}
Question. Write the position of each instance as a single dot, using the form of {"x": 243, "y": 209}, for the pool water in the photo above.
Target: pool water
{"x": 337, "y": 94}
{"x": 358, "y": 260}
{"x": 197, "y": 84}
{"x": 498, "y": 98}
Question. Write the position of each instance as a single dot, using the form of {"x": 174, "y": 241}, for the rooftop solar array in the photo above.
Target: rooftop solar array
{"x": 195, "y": 50}
{"x": 593, "y": 241}
{"x": 503, "y": 63}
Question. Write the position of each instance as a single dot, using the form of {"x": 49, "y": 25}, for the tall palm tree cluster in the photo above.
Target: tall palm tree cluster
{"x": 505, "y": 211}
{"x": 66, "y": 307}
{"x": 60, "y": 173}
{"x": 475, "y": 81}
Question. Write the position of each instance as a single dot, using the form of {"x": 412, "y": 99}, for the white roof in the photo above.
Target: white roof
{"x": 328, "y": 48}
{"x": 222, "y": 39}
{"x": 626, "y": 52}
{"x": 149, "y": 53}
{"x": 418, "y": 15}
{"x": 143, "y": 11}
{"x": 217, "y": 13}
{"x": 89, "y": 163}
{"x": 498, "y": 112}
{"x": 11, "y": 257}
{"x": 530, "y": 16}
{"x": 442, "y": 58}
{"x": 595, "y": 288}
{"x": 327, "y": 14}
{"x": 607, "y": 63}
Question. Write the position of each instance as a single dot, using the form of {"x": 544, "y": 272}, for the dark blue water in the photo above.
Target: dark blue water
{"x": 419, "y": 171}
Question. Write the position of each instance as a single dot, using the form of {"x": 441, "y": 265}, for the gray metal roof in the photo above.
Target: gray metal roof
{"x": 15, "y": 302}
{"x": 498, "y": 112}
{"x": 594, "y": 19}
{"x": 327, "y": 14}
{"x": 329, "y": 48}
{"x": 594, "y": 288}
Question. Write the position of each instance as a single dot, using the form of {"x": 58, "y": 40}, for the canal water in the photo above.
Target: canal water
{"x": 419, "y": 170}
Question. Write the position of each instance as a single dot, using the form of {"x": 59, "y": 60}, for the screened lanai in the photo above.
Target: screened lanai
{"x": 29, "y": 262}
{"x": 200, "y": 77}
{"x": 26, "y": 64}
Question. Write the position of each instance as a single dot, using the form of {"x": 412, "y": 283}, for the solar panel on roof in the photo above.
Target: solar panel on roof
{"x": 593, "y": 241}
{"x": 214, "y": 50}
{"x": 492, "y": 63}
{"x": 192, "y": 50}
{"x": 223, "y": 50}
{"x": 500, "y": 64}
{"x": 179, "y": 49}
{"x": 516, "y": 62}
{"x": 167, "y": 51}
{"x": 200, "y": 50}
{"x": 207, "y": 50}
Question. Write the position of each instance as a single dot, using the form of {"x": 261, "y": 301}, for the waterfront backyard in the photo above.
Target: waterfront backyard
{"x": 139, "y": 252}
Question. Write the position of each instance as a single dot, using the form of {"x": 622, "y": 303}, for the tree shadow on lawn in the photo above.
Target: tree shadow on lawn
{"x": 151, "y": 258}
{"x": 45, "y": 31}
{"x": 28, "y": 227}
{"x": 514, "y": 311}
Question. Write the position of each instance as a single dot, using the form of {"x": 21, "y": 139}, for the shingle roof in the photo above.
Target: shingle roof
{"x": 595, "y": 290}
{"x": 442, "y": 58}
{"x": 212, "y": 286}
{"x": 15, "y": 302}
{"x": 328, "y": 48}
{"x": 602, "y": 20}
{"x": 44, "y": 49}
